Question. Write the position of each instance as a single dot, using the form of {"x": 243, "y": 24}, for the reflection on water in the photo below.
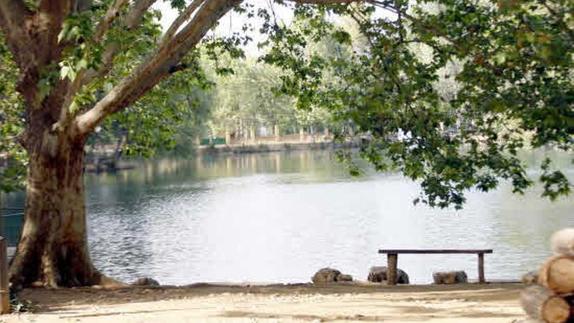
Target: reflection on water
{"x": 279, "y": 217}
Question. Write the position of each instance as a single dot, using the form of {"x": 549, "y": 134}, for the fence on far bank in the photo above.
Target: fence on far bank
{"x": 264, "y": 140}
{"x": 11, "y": 220}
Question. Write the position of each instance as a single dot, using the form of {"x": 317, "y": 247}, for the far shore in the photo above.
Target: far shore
{"x": 106, "y": 163}
{"x": 493, "y": 302}
{"x": 265, "y": 147}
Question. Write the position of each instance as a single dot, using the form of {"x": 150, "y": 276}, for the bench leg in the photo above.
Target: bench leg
{"x": 481, "y": 279}
{"x": 392, "y": 260}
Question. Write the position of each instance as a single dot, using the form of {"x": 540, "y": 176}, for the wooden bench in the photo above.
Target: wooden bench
{"x": 393, "y": 258}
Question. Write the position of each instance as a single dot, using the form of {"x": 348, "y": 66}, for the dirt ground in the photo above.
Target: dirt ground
{"x": 275, "y": 303}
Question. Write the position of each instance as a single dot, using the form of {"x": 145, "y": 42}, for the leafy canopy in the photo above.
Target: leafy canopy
{"x": 508, "y": 70}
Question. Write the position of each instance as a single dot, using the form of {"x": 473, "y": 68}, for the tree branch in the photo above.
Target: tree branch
{"x": 183, "y": 17}
{"x": 152, "y": 70}
{"x": 175, "y": 45}
{"x": 378, "y": 3}
{"x": 134, "y": 16}
{"x": 13, "y": 16}
{"x": 12, "y": 12}
{"x": 84, "y": 76}
{"x": 136, "y": 13}
{"x": 48, "y": 21}
{"x": 111, "y": 14}
{"x": 326, "y": 1}
{"x": 130, "y": 21}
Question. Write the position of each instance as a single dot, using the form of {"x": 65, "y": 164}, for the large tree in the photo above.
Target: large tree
{"x": 67, "y": 50}
{"x": 64, "y": 50}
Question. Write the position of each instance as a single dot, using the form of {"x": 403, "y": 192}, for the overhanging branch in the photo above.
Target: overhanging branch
{"x": 130, "y": 21}
{"x": 325, "y": 1}
{"x": 111, "y": 14}
{"x": 158, "y": 66}
{"x": 175, "y": 45}
{"x": 182, "y": 18}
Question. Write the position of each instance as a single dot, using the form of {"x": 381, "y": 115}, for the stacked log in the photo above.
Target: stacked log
{"x": 551, "y": 299}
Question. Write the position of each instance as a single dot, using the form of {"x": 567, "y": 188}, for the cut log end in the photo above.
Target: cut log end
{"x": 543, "y": 304}
{"x": 556, "y": 309}
{"x": 557, "y": 274}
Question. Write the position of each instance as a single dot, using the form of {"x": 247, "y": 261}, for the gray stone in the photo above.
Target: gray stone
{"x": 145, "y": 281}
{"x": 378, "y": 274}
{"x": 325, "y": 275}
{"x": 450, "y": 277}
{"x": 344, "y": 278}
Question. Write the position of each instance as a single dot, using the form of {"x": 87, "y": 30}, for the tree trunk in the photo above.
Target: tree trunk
{"x": 276, "y": 132}
{"x": 53, "y": 248}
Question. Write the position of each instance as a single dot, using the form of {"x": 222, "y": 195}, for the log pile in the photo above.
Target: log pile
{"x": 551, "y": 297}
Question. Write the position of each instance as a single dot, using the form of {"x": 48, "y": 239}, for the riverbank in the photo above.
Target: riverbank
{"x": 273, "y": 147}
{"x": 276, "y": 303}
{"x": 101, "y": 162}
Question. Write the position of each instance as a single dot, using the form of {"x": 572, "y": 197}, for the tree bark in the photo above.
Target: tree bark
{"x": 53, "y": 248}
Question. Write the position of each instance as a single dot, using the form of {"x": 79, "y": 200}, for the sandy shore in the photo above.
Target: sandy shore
{"x": 275, "y": 303}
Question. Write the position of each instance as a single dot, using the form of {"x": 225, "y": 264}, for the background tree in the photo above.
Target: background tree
{"x": 12, "y": 158}
{"x": 247, "y": 99}
{"x": 509, "y": 65}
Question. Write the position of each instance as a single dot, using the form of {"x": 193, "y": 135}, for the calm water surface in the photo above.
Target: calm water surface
{"x": 279, "y": 217}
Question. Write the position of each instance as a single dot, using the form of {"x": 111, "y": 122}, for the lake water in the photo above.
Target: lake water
{"x": 279, "y": 217}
